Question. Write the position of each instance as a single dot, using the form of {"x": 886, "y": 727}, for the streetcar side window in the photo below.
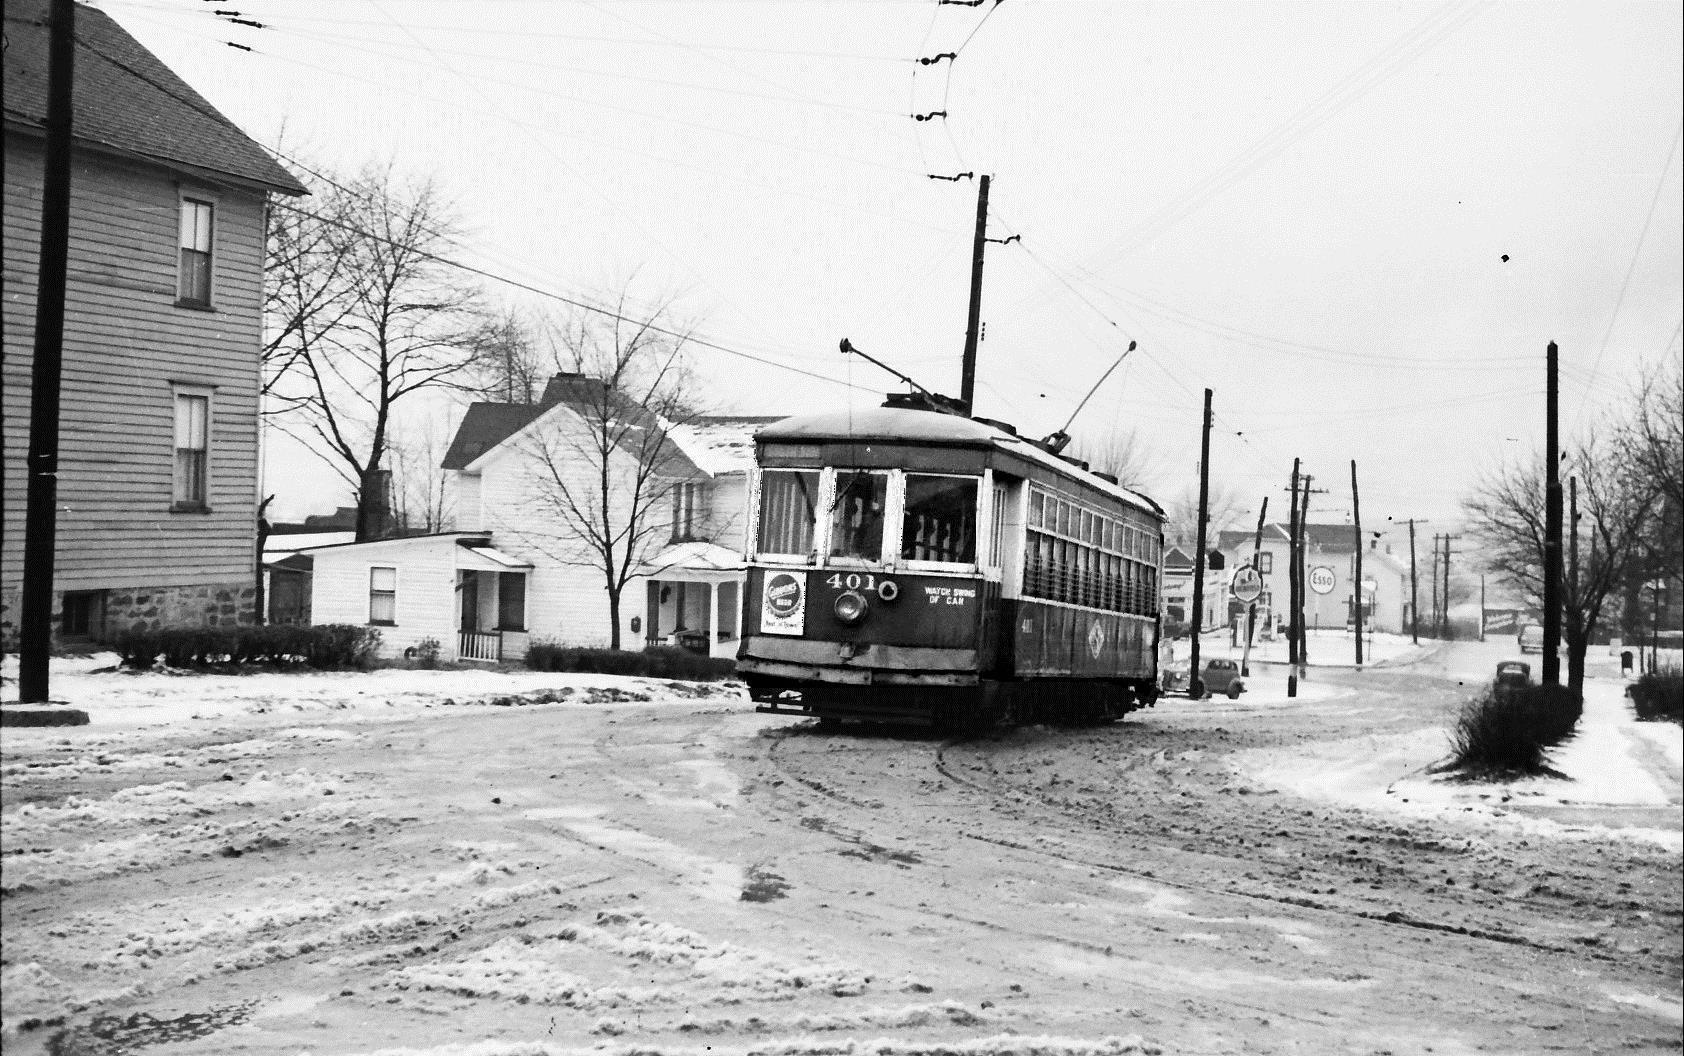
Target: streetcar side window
{"x": 787, "y": 501}
{"x": 856, "y": 518}
{"x": 940, "y": 519}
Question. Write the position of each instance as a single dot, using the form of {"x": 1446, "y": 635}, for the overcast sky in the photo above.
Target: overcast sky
{"x": 1358, "y": 223}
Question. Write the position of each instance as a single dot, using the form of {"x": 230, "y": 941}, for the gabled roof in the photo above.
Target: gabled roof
{"x": 1244, "y": 538}
{"x": 704, "y": 447}
{"x": 484, "y": 427}
{"x": 125, "y": 99}
{"x": 1177, "y": 558}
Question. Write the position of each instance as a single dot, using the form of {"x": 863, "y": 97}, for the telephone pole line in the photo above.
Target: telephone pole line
{"x": 1445, "y": 625}
{"x": 1552, "y": 521}
{"x": 1356, "y": 518}
{"x": 1195, "y": 684}
{"x": 1292, "y": 587}
{"x": 1414, "y": 597}
{"x": 967, "y": 376}
{"x": 35, "y": 631}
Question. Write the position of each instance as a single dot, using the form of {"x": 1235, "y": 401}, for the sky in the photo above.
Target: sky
{"x": 1358, "y": 224}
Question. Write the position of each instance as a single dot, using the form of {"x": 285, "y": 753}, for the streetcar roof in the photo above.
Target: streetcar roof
{"x": 921, "y": 428}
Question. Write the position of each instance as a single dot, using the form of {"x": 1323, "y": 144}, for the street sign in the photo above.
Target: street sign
{"x": 1247, "y": 584}
{"x": 1322, "y": 579}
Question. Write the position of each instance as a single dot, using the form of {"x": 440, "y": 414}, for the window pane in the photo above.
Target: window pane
{"x": 190, "y": 477}
{"x": 511, "y": 601}
{"x": 382, "y": 608}
{"x": 195, "y": 225}
{"x": 787, "y": 500}
{"x": 940, "y": 520}
{"x": 383, "y": 579}
{"x": 856, "y": 520}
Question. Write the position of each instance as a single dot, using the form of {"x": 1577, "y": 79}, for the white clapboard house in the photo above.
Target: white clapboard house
{"x": 514, "y": 572}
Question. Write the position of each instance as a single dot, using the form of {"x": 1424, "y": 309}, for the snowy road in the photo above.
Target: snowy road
{"x": 679, "y": 874}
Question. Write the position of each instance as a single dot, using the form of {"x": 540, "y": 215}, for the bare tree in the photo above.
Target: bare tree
{"x": 420, "y": 501}
{"x": 510, "y": 362}
{"x": 608, "y": 475}
{"x": 1224, "y": 511}
{"x": 1506, "y": 515}
{"x": 1123, "y": 455}
{"x": 1651, "y": 442}
{"x": 399, "y": 325}
{"x": 306, "y": 282}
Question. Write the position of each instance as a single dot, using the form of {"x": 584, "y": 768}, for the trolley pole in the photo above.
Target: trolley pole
{"x": 35, "y": 632}
{"x": 967, "y": 376}
{"x": 1195, "y": 684}
{"x": 1356, "y": 516}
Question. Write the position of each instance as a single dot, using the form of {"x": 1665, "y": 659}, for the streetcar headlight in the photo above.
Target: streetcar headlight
{"x": 851, "y": 607}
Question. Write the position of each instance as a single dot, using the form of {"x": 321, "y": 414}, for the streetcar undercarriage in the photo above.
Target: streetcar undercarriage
{"x": 978, "y": 704}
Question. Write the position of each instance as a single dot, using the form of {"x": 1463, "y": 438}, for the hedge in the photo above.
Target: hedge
{"x": 1509, "y": 730}
{"x": 332, "y": 645}
{"x": 1658, "y": 696}
{"x": 661, "y": 661}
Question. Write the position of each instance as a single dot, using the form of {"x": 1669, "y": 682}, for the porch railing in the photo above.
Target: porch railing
{"x": 479, "y": 645}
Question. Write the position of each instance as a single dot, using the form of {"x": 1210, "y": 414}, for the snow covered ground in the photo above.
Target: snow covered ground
{"x": 471, "y": 863}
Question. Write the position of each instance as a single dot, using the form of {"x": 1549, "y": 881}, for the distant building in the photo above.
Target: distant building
{"x": 158, "y": 455}
{"x": 1331, "y": 549}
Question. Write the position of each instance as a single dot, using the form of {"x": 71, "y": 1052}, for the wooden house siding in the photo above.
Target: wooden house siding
{"x": 126, "y": 343}
{"x": 426, "y": 592}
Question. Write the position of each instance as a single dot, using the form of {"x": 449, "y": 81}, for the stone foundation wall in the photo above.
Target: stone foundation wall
{"x": 147, "y": 609}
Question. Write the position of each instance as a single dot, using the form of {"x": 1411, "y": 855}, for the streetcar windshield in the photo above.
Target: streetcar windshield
{"x": 856, "y": 518}
{"x": 940, "y": 521}
{"x": 787, "y": 501}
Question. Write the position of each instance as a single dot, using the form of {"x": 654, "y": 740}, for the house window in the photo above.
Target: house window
{"x": 511, "y": 601}
{"x": 1265, "y": 562}
{"x": 192, "y": 449}
{"x": 383, "y": 596}
{"x": 194, "y": 280}
{"x": 685, "y": 500}
{"x": 83, "y": 614}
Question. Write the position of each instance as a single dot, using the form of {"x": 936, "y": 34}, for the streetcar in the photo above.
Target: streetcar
{"x": 912, "y": 565}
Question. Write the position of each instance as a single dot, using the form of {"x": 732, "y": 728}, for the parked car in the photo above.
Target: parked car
{"x": 1222, "y": 676}
{"x": 1531, "y": 638}
{"x": 1511, "y": 675}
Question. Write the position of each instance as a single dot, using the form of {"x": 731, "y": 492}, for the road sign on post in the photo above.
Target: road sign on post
{"x": 1247, "y": 584}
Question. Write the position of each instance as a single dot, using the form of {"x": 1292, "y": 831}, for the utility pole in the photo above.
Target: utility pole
{"x": 1570, "y": 591}
{"x": 1356, "y": 516}
{"x": 1303, "y": 561}
{"x": 1414, "y": 598}
{"x": 1445, "y": 625}
{"x": 967, "y": 376}
{"x": 1433, "y": 579}
{"x": 1292, "y": 585}
{"x": 1195, "y": 684}
{"x": 1251, "y": 610}
{"x": 1552, "y": 523}
{"x": 35, "y": 633}
{"x": 1482, "y": 606}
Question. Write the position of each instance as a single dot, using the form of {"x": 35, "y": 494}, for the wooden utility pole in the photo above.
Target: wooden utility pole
{"x": 1414, "y": 598}
{"x": 1251, "y": 609}
{"x": 1292, "y": 579}
{"x": 967, "y": 376}
{"x": 1433, "y": 580}
{"x": 1303, "y": 575}
{"x": 1444, "y": 627}
{"x": 1195, "y": 684}
{"x": 1552, "y": 524}
{"x": 35, "y": 631}
{"x": 1356, "y": 516}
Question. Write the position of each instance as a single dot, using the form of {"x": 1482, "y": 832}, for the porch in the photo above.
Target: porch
{"x": 693, "y": 599}
{"x": 491, "y": 589}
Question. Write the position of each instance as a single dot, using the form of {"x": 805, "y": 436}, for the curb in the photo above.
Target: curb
{"x": 51, "y": 714}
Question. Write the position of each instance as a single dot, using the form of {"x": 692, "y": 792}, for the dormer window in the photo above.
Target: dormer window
{"x": 193, "y": 282}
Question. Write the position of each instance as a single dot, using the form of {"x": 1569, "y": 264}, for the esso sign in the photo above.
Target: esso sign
{"x": 1322, "y": 579}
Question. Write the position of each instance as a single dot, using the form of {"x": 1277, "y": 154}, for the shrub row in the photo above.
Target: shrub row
{"x": 1658, "y": 696}
{"x": 1510, "y": 729}
{"x": 332, "y": 645}
{"x": 661, "y": 661}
